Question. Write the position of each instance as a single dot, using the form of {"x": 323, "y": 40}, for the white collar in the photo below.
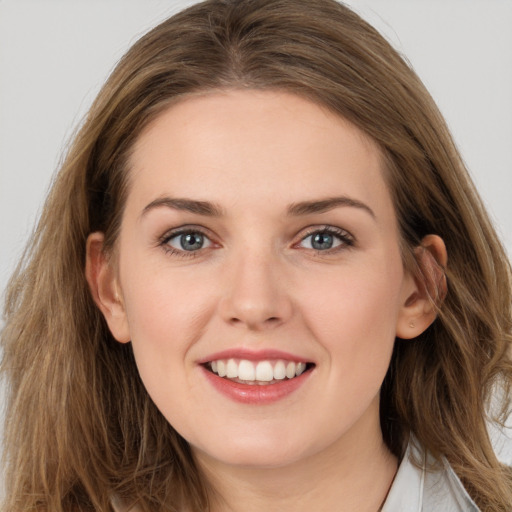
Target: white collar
{"x": 421, "y": 489}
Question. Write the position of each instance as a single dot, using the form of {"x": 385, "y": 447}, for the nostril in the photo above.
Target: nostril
{"x": 270, "y": 320}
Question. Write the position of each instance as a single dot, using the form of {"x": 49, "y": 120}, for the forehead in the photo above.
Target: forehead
{"x": 263, "y": 143}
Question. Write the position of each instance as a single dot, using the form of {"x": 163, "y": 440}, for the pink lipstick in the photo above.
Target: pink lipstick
{"x": 256, "y": 377}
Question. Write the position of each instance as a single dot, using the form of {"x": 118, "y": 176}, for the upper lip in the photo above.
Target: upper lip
{"x": 253, "y": 355}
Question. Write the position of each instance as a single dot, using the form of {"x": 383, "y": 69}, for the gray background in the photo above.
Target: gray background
{"x": 55, "y": 54}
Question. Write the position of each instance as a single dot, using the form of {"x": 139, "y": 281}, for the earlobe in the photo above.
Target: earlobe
{"x": 103, "y": 283}
{"x": 426, "y": 290}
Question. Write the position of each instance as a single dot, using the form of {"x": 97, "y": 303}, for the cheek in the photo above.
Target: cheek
{"x": 166, "y": 315}
{"x": 354, "y": 314}
{"x": 165, "y": 321}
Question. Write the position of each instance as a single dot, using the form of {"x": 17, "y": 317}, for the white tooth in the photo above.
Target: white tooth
{"x": 300, "y": 368}
{"x": 231, "y": 369}
{"x": 279, "y": 370}
{"x": 290, "y": 370}
{"x": 221, "y": 368}
{"x": 214, "y": 366}
{"x": 246, "y": 370}
{"x": 264, "y": 371}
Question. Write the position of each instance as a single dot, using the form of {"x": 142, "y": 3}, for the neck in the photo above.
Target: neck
{"x": 353, "y": 474}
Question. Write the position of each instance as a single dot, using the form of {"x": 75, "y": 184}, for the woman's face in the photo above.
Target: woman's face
{"x": 259, "y": 239}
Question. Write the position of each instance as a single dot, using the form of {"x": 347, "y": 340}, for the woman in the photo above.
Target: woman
{"x": 262, "y": 280}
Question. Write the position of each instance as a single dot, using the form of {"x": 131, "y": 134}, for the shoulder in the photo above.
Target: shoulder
{"x": 426, "y": 487}
{"x": 443, "y": 490}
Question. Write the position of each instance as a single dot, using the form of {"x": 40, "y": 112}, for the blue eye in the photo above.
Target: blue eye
{"x": 326, "y": 239}
{"x": 189, "y": 241}
{"x": 322, "y": 241}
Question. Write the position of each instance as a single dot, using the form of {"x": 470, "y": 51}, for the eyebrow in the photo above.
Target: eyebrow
{"x": 209, "y": 209}
{"x": 190, "y": 205}
{"x": 324, "y": 205}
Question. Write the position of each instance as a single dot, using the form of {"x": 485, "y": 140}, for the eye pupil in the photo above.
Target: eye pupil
{"x": 322, "y": 241}
{"x": 191, "y": 241}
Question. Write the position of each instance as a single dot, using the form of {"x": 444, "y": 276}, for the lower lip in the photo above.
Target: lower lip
{"x": 256, "y": 393}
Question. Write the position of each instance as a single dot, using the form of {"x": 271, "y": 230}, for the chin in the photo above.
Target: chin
{"x": 257, "y": 452}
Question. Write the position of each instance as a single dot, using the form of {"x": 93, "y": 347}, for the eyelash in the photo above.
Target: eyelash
{"x": 185, "y": 230}
{"x": 346, "y": 239}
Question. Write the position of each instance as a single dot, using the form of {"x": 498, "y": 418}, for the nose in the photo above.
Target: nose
{"x": 257, "y": 294}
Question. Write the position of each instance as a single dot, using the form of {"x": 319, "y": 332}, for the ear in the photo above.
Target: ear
{"x": 426, "y": 290}
{"x": 103, "y": 283}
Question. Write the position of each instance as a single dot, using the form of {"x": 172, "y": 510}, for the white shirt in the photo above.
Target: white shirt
{"x": 420, "y": 489}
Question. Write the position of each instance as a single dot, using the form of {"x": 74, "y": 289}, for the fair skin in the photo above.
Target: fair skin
{"x": 231, "y": 242}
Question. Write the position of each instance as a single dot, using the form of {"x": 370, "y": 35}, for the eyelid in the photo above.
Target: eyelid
{"x": 187, "y": 228}
{"x": 348, "y": 240}
{"x": 204, "y": 238}
{"x": 163, "y": 241}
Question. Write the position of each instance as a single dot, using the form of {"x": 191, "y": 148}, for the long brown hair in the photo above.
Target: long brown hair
{"x": 80, "y": 427}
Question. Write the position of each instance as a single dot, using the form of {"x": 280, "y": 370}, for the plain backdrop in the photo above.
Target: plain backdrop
{"x": 55, "y": 54}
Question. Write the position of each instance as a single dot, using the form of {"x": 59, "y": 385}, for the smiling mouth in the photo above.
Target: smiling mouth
{"x": 260, "y": 373}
